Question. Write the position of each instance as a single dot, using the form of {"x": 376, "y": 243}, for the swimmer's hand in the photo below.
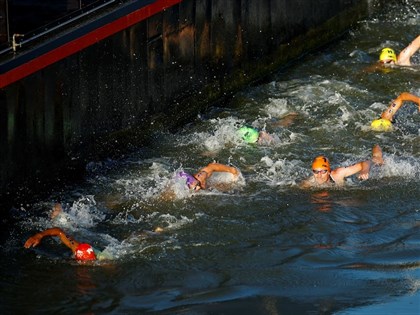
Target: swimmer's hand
{"x": 33, "y": 241}
{"x": 265, "y": 138}
{"x": 365, "y": 167}
{"x": 363, "y": 175}
{"x": 235, "y": 172}
{"x": 416, "y": 99}
{"x": 57, "y": 209}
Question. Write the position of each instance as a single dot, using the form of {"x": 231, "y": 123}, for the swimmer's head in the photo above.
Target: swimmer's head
{"x": 190, "y": 180}
{"x": 381, "y": 124}
{"x": 321, "y": 163}
{"x": 387, "y": 56}
{"x": 84, "y": 252}
{"x": 248, "y": 134}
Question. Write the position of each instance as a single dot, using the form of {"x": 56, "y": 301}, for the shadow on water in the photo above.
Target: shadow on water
{"x": 262, "y": 245}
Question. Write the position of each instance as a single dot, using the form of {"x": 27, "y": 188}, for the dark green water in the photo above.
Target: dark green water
{"x": 263, "y": 246}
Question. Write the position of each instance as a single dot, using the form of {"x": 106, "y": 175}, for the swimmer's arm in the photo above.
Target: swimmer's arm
{"x": 216, "y": 167}
{"x": 373, "y": 68}
{"x": 398, "y": 102}
{"x": 66, "y": 240}
{"x": 289, "y": 119}
{"x": 377, "y": 155}
{"x": 307, "y": 183}
{"x": 364, "y": 172}
{"x": 404, "y": 56}
{"x": 341, "y": 173}
{"x": 207, "y": 171}
{"x": 265, "y": 137}
{"x": 407, "y": 97}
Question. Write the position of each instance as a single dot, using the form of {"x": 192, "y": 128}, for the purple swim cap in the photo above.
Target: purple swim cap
{"x": 189, "y": 178}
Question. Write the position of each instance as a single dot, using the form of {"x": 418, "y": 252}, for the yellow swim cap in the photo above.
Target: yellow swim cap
{"x": 321, "y": 162}
{"x": 387, "y": 54}
{"x": 381, "y": 124}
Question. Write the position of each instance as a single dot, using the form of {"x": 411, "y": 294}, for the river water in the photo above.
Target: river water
{"x": 260, "y": 245}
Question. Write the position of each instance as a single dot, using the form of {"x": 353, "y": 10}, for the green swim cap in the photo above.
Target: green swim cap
{"x": 248, "y": 134}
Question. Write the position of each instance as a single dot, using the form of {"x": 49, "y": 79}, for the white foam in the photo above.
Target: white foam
{"x": 278, "y": 107}
{"x": 145, "y": 185}
{"x": 171, "y": 222}
{"x": 279, "y": 172}
{"x": 83, "y": 213}
{"x": 223, "y": 132}
{"x": 225, "y": 182}
{"x": 406, "y": 168}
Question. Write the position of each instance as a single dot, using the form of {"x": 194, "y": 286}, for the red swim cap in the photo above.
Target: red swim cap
{"x": 85, "y": 252}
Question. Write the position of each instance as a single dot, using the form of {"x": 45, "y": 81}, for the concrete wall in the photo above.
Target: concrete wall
{"x": 156, "y": 74}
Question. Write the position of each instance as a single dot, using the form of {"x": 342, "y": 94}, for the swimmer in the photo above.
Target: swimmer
{"x": 252, "y": 135}
{"x": 388, "y": 55}
{"x": 323, "y": 176}
{"x": 199, "y": 180}
{"x": 81, "y": 251}
{"x": 385, "y": 122}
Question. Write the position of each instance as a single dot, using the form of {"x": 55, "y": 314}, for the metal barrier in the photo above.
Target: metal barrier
{"x": 21, "y": 40}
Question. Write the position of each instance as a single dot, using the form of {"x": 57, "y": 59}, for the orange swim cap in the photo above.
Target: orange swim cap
{"x": 85, "y": 252}
{"x": 321, "y": 162}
